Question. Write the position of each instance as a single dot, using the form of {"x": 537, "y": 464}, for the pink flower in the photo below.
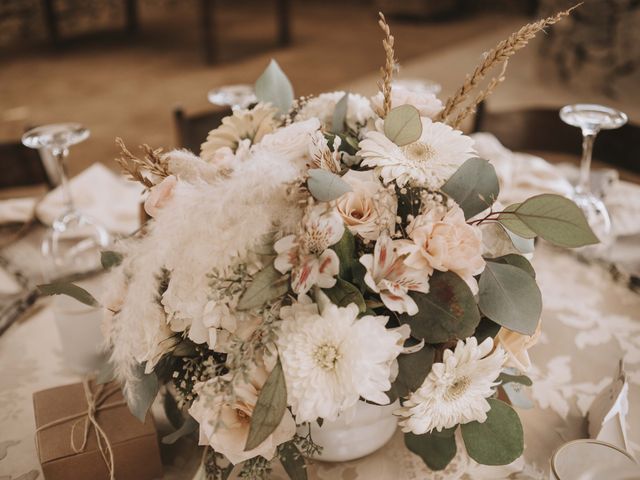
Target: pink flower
{"x": 388, "y": 275}
{"x": 160, "y": 195}
{"x": 308, "y": 255}
{"x": 442, "y": 240}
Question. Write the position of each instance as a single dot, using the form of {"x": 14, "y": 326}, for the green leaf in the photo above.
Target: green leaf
{"x": 436, "y": 449}
{"x": 556, "y": 219}
{"x": 274, "y": 87}
{"x": 109, "y": 258}
{"x": 517, "y": 261}
{"x": 510, "y": 297}
{"x": 340, "y": 114}
{"x": 413, "y": 368}
{"x": 447, "y": 312}
{"x": 523, "y": 245}
{"x": 70, "y": 290}
{"x": 172, "y": 411}
{"x": 268, "y": 284}
{"x": 140, "y": 392}
{"x": 189, "y": 426}
{"x": 486, "y": 328}
{"x": 514, "y": 224}
{"x": 344, "y": 293}
{"x": 497, "y": 441}
{"x": 106, "y": 373}
{"x": 270, "y": 408}
{"x": 326, "y": 186}
{"x": 292, "y": 461}
{"x": 474, "y": 186}
{"x": 508, "y": 378}
{"x": 345, "y": 249}
{"x": 402, "y": 125}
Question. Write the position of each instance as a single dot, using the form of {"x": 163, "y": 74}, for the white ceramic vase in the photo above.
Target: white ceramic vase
{"x": 354, "y": 435}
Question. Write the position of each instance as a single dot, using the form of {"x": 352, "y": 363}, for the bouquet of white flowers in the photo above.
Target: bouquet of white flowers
{"x": 327, "y": 250}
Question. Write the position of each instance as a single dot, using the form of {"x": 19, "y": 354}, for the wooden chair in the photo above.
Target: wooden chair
{"x": 543, "y": 130}
{"x": 192, "y": 129}
{"x": 21, "y": 167}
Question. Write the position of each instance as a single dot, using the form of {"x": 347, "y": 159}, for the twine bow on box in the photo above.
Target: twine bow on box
{"x": 95, "y": 403}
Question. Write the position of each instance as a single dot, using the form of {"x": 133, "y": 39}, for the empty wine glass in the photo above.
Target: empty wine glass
{"x": 74, "y": 241}
{"x": 234, "y": 96}
{"x": 591, "y": 119}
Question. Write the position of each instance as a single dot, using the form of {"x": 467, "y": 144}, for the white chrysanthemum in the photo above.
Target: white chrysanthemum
{"x": 359, "y": 110}
{"x": 332, "y": 359}
{"x": 456, "y": 390}
{"x": 427, "y": 162}
{"x": 242, "y": 124}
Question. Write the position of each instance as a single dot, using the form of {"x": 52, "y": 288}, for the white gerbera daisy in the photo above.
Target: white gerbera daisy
{"x": 456, "y": 390}
{"x": 427, "y": 162}
{"x": 331, "y": 359}
{"x": 242, "y": 125}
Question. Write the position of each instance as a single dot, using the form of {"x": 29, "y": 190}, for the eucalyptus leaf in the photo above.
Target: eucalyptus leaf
{"x": 447, "y": 312}
{"x": 505, "y": 378}
{"x": 344, "y": 293}
{"x": 292, "y": 461}
{"x": 345, "y": 249}
{"x": 517, "y": 261}
{"x": 340, "y": 114}
{"x": 326, "y": 186}
{"x": 70, "y": 290}
{"x": 140, "y": 392}
{"x": 172, "y": 410}
{"x": 435, "y": 450}
{"x": 516, "y": 395}
{"x": 510, "y": 297}
{"x": 499, "y": 440}
{"x": 474, "y": 186}
{"x": 402, "y": 125}
{"x": 513, "y": 224}
{"x": 486, "y": 328}
{"x": 522, "y": 244}
{"x": 269, "y": 410}
{"x": 266, "y": 285}
{"x": 274, "y": 87}
{"x": 555, "y": 218}
{"x": 189, "y": 426}
{"x": 413, "y": 368}
{"x": 106, "y": 373}
{"x": 109, "y": 258}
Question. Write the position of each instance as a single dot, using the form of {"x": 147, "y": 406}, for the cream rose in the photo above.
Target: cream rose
{"x": 369, "y": 208}
{"x": 160, "y": 195}
{"x": 442, "y": 240}
{"x": 426, "y": 102}
{"x": 225, "y": 425}
{"x": 517, "y": 345}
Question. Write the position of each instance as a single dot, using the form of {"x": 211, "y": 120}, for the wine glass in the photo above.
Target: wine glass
{"x": 235, "y": 96}
{"x": 591, "y": 118}
{"x": 74, "y": 241}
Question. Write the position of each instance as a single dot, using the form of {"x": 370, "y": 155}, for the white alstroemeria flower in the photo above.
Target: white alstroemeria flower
{"x": 427, "y": 162}
{"x": 388, "y": 275}
{"x": 359, "y": 110}
{"x": 456, "y": 390}
{"x": 307, "y": 254}
{"x": 331, "y": 359}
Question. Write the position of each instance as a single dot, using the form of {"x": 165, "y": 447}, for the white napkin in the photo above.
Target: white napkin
{"x": 101, "y": 194}
{"x": 521, "y": 175}
{"x": 16, "y": 210}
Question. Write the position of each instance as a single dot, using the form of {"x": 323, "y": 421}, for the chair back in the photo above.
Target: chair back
{"x": 192, "y": 129}
{"x": 21, "y": 166}
{"x": 542, "y": 129}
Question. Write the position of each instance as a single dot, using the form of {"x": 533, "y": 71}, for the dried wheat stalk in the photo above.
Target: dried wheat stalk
{"x": 135, "y": 167}
{"x": 389, "y": 66}
{"x": 499, "y": 54}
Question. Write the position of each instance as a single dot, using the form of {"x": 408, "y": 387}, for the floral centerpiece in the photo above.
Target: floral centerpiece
{"x": 324, "y": 251}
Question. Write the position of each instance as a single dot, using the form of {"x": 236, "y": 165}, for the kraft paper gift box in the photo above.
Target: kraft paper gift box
{"x": 62, "y": 412}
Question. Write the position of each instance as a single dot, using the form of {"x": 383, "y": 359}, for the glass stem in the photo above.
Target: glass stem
{"x": 61, "y": 156}
{"x": 588, "y": 139}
